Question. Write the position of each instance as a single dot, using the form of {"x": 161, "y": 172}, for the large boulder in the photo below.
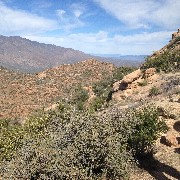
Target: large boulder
{"x": 128, "y": 79}
{"x": 131, "y": 77}
{"x": 149, "y": 72}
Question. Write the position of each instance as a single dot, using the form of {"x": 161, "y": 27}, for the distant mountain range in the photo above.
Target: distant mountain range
{"x": 123, "y": 57}
{"x": 21, "y": 54}
{"x": 123, "y": 60}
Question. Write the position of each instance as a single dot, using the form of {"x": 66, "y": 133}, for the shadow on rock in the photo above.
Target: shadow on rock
{"x": 157, "y": 169}
{"x": 176, "y": 126}
{"x": 177, "y": 150}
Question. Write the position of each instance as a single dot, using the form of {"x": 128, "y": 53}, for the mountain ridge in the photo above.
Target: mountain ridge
{"x": 24, "y": 55}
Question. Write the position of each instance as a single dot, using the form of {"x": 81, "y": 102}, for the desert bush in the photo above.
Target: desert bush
{"x": 67, "y": 144}
{"x": 80, "y": 97}
{"x": 103, "y": 88}
{"x": 167, "y": 62}
{"x": 10, "y": 138}
{"x": 154, "y": 91}
{"x": 74, "y": 146}
{"x": 143, "y": 83}
{"x": 12, "y": 134}
{"x": 147, "y": 130}
{"x": 96, "y": 104}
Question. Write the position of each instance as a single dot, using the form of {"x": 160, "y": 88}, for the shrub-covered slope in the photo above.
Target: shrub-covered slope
{"x": 20, "y": 94}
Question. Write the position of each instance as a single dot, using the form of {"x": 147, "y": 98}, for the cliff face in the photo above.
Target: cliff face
{"x": 173, "y": 45}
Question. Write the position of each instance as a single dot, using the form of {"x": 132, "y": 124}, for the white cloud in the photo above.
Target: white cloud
{"x": 78, "y": 13}
{"x": 78, "y": 9}
{"x": 19, "y": 22}
{"x": 60, "y": 13}
{"x": 101, "y": 43}
{"x": 71, "y": 19}
{"x": 144, "y": 14}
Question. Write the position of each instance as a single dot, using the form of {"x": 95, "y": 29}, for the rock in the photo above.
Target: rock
{"x": 131, "y": 77}
{"x": 172, "y": 116}
{"x": 176, "y": 34}
{"x": 42, "y": 75}
{"x": 170, "y": 139}
{"x": 149, "y": 72}
{"x": 116, "y": 86}
{"x": 174, "y": 99}
{"x": 162, "y": 112}
{"x": 52, "y": 107}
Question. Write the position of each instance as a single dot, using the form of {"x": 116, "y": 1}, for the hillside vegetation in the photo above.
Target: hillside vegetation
{"x": 21, "y": 94}
{"x": 166, "y": 62}
{"x": 93, "y": 121}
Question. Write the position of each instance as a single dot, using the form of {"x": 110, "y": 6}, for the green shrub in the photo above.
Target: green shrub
{"x": 74, "y": 146}
{"x": 146, "y": 131}
{"x": 143, "y": 83}
{"x": 12, "y": 135}
{"x": 10, "y": 139}
{"x": 80, "y": 97}
{"x": 167, "y": 62}
{"x": 96, "y": 104}
{"x": 154, "y": 91}
{"x": 66, "y": 144}
{"x": 101, "y": 88}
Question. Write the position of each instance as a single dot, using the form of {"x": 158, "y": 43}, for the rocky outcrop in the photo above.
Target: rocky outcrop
{"x": 174, "y": 44}
{"x": 127, "y": 81}
{"x": 149, "y": 72}
{"x": 131, "y": 77}
{"x": 176, "y": 34}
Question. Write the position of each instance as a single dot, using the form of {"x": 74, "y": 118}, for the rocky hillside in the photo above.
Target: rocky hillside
{"x": 21, "y": 93}
{"x": 163, "y": 92}
{"x": 156, "y": 84}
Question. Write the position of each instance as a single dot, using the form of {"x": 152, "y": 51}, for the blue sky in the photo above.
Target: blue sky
{"x": 127, "y": 27}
